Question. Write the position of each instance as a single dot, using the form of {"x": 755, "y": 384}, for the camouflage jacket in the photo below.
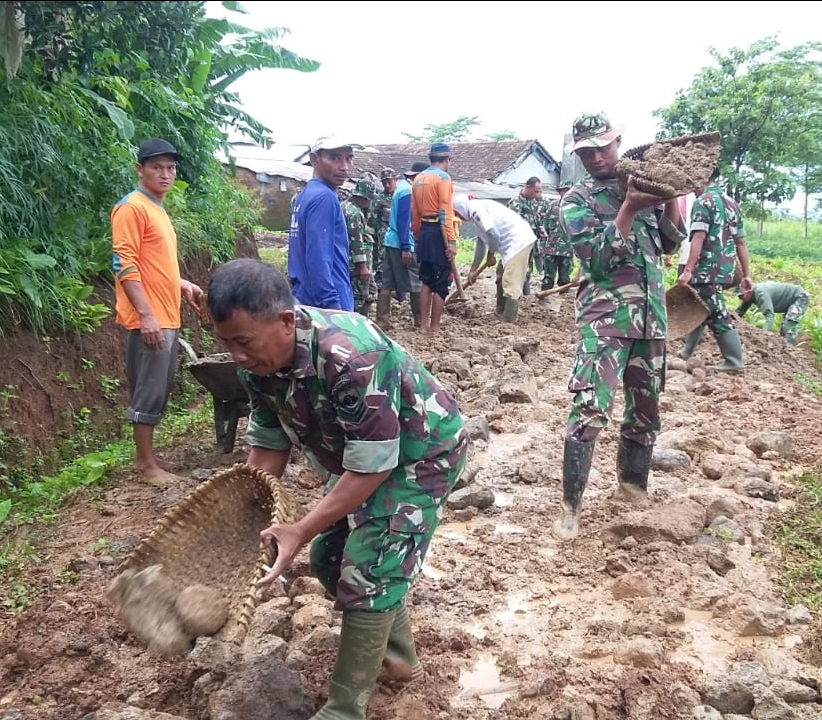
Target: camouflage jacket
{"x": 354, "y": 400}
{"x": 719, "y": 217}
{"x": 621, "y": 292}
{"x": 379, "y": 215}
{"x": 534, "y": 211}
{"x": 555, "y": 243}
{"x": 360, "y": 241}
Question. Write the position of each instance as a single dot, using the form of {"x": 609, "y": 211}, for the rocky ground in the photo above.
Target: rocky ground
{"x": 669, "y": 609}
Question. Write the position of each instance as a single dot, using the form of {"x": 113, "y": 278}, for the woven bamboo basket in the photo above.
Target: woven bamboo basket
{"x": 686, "y": 310}
{"x": 673, "y": 167}
{"x": 210, "y": 538}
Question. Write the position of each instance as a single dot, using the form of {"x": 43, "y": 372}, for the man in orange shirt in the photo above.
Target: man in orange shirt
{"x": 432, "y": 221}
{"x": 148, "y": 288}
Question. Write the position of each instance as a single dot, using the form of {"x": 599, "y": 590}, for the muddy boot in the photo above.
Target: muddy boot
{"x": 400, "y": 664}
{"x": 363, "y": 642}
{"x": 691, "y": 341}
{"x": 509, "y": 313}
{"x": 633, "y": 466}
{"x": 576, "y": 464}
{"x": 365, "y": 309}
{"x": 731, "y": 348}
{"x": 384, "y": 311}
{"x": 500, "y": 299}
{"x": 415, "y": 308}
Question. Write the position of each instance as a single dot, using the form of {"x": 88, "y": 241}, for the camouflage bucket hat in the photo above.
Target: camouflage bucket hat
{"x": 365, "y": 189}
{"x": 593, "y": 130}
{"x": 387, "y": 174}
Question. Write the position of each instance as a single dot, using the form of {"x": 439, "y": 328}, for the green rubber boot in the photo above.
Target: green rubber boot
{"x": 384, "y": 311}
{"x": 400, "y": 664}
{"x": 416, "y": 312}
{"x": 691, "y": 341}
{"x": 576, "y": 465}
{"x": 633, "y": 468}
{"x": 362, "y": 648}
{"x": 509, "y": 312}
{"x": 730, "y": 345}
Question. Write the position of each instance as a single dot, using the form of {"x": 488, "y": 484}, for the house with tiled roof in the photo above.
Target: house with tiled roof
{"x": 504, "y": 162}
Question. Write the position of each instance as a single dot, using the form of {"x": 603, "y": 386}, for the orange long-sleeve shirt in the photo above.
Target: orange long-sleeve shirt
{"x": 432, "y": 195}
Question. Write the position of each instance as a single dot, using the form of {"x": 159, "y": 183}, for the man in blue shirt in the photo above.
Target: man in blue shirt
{"x": 318, "y": 237}
{"x": 400, "y": 269}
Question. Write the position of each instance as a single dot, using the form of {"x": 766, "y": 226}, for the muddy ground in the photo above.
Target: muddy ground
{"x": 664, "y": 610}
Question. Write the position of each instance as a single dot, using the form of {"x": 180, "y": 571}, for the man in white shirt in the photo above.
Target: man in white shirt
{"x": 499, "y": 230}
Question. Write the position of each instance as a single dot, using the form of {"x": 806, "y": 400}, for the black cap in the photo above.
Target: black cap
{"x": 416, "y": 169}
{"x": 154, "y": 147}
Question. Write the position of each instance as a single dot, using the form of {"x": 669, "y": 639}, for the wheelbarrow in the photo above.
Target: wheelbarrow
{"x": 217, "y": 373}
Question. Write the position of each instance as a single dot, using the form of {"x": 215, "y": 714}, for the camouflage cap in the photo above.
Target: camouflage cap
{"x": 364, "y": 188}
{"x": 387, "y": 174}
{"x": 565, "y": 185}
{"x": 593, "y": 130}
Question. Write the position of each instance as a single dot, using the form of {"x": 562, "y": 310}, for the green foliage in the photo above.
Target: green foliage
{"x": 95, "y": 79}
{"x": 765, "y": 101}
{"x": 801, "y": 539}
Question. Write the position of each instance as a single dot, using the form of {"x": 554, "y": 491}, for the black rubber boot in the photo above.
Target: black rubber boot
{"x": 633, "y": 466}
{"x": 691, "y": 341}
{"x": 730, "y": 345}
{"x": 500, "y": 298}
{"x": 576, "y": 465}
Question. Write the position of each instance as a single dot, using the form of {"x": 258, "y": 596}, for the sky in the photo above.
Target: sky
{"x": 525, "y": 67}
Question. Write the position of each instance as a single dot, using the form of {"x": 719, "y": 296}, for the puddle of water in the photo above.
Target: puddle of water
{"x": 483, "y": 682}
{"x": 502, "y": 500}
{"x": 506, "y": 529}
{"x": 516, "y": 611}
{"x": 710, "y": 646}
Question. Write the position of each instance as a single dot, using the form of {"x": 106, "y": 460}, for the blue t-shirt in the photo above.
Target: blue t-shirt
{"x": 318, "y": 249}
{"x": 399, "y": 233}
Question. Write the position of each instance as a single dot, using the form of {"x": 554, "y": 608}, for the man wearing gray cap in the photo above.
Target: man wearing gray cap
{"x": 318, "y": 246}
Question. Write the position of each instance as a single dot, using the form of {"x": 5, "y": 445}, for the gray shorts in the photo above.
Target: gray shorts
{"x": 398, "y": 276}
{"x": 150, "y": 375}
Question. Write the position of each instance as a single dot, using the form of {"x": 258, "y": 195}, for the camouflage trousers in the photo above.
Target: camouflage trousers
{"x": 370, "y": 563}
{"x": 365, "y": 291}
{"x": 599, "y": 366}
{"x": 379, "y": 255}
{"x": 789, "y": 329}
{"x": 556, "y": 268}
{"x": 719, "y": 320}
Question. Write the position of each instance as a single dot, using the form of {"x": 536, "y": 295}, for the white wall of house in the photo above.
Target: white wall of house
{"x": 529, "y": 167}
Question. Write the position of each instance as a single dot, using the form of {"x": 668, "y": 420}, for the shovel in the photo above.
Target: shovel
{"x": 553, "y": 291}
{"x": 454, "y": 296}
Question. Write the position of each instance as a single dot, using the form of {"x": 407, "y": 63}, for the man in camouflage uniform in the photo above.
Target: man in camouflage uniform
{"x": 554, "y": 249}
{"x": 361, "y": 245}
{"x": 373, "y": 421}
{"x": 776, "y": 297}
{"x": 717, "y": 241}
{"x": 380, "y": 212}
{"x": 620, "y": 314}
{"x": 530, "y": 205}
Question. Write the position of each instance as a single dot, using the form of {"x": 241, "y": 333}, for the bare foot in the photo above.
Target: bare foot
{"x": 158, "y": 476}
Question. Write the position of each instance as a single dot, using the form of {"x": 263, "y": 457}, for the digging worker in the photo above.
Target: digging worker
{"x": 400, "y": 269}
{"x": 776, "y": 297}
{"x": 376, "y": 423}
{"x": 717, "y": 238}
{"x": 148, "y": 292}
{"x": 317, "y": 237}
{"x": 432, "y": 222}
{"x": 499, "y": 230}
{"x": 620, "y": 314}
{"x": 361, "y": 245}
{"x": 554, "y": 249}
{"x": 531, "y": 205}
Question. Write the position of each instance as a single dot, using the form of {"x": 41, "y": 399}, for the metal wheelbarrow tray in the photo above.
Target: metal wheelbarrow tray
{"x": 218, "y": 374}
